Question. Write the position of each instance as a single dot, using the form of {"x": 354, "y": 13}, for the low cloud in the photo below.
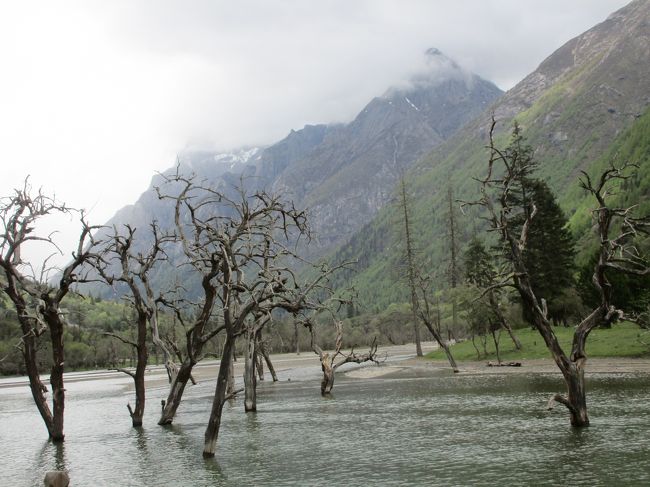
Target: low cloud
{"x": 98, "y": 95}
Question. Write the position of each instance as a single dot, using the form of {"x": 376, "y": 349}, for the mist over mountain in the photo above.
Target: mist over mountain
{"x": 342, "y": 173}
{"x": 585, "y": 105}
{"x": 576, "y": 109}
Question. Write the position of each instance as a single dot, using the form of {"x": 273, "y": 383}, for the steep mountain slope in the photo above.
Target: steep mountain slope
{"x": 343, "y": 173}
{"x": 205, "y": 164}
{"x": 348, "y": 177}
{"x": 587, "y": 97}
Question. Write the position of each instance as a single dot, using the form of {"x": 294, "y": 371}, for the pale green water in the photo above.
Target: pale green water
{"x": 440, "y": 430}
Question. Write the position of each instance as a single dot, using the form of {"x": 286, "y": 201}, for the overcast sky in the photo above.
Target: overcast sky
{"x": 97, "y": 95}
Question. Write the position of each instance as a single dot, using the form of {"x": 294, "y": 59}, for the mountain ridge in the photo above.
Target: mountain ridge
{"x": 343, "y": 173}
{"x": 572, "y": 108}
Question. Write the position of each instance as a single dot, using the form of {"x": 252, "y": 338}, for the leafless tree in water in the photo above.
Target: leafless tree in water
{"x": 37, "y": 300}
{"x": 617, "y": 253}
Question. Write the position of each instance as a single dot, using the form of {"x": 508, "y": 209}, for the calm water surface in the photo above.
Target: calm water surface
{"x": 434, "y": 430}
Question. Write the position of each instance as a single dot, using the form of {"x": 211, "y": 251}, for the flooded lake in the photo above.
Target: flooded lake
{"x": 438, "y": 429}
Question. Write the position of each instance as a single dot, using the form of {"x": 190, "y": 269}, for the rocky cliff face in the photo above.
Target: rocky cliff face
{"x": 573, "y": 109}
{"x": 344, "y": 173}
{"x": 347, "y": 177}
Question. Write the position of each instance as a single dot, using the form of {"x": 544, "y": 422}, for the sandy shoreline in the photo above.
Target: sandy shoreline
{"x": 400, "y": 362}
{"x": 536, "y": 366}
{"x": 544, "y": 366}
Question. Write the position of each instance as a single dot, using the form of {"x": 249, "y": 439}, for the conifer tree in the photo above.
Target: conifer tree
{"x": 549, "y": 255}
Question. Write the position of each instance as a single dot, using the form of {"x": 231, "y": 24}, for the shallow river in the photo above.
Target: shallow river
{"x": 438, "y": 429}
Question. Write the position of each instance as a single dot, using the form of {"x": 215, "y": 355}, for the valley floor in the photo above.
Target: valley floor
{"x": 397, "y": 361}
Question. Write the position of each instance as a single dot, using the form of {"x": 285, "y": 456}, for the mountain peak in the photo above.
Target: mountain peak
{"x": 435, "y": 68}
{"x": 434, "y": 57}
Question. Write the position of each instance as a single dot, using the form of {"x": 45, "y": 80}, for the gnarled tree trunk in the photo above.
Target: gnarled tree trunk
{"x": 36, "y": 386}
{"x": 140, "y": 392}
{"x": 259, "y": 363}
{"x": 328, "y": 361}
{"x": 220, "y": 397}
{"x": 176, "y": 392}
{"x": 55, "y": 324}
{"x": 267, "y": 358}
{"x": 230, "y": 388}
{"x": 327, "y": 383}
{"x": 250, "y": 381}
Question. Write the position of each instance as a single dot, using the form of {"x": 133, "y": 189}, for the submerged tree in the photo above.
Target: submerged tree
{"x": 263, "y": 356}
{"x": 240, "y": 246}
{"x": 330, "y": 361}
{"x": 37, "y": 302}
{"x": 253, "y": 328}
{"x": 506, "y": 170}
{"x": 119, "y": 262}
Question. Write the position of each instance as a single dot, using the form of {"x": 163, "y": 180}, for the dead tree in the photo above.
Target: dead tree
{"x": 409, "y": 254}
{"x": 275, "y": 288}
{"x": 206, "y": 262}
{"x": 259, "y": 362}
{"x": 121, "y": 263}
{"x": 330, "y": 361}
{"x": 264, "y": 356}
{"x": 506, "y": 170}
{"x": 197, "y": 234}
{"x": 425, "y": 313}
{"x": 239, "y": 245}
{"x": 38, "y": 303}
{"x": 253, "y": 328}
{"x": 259, "y": 319}
{"x": 254, "y": 355}
{"x": 454, "y": 272}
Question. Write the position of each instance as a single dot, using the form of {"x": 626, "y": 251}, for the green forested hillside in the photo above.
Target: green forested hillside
{"x": 586, "y": 105}
{"x": 377, "y": 246}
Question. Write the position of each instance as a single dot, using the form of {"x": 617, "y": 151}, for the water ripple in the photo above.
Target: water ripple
{"x": 442, "y": 430}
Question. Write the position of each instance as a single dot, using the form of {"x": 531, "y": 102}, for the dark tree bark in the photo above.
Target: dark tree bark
{"x": 332, "y": 361}
{"x": 220, "y": 397}
{"x": 37, "y": 303}
{"x": 119, "y": 263}
{"x": 52, "y": 316}
{"x": 250, "y": 380}
{"x": 230, "y": 387}
{"x": 142, "y": 354}
{"x": 175, "y": 395}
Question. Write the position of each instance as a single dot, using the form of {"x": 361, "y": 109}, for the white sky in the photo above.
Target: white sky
{"x": 97, "y": 95}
